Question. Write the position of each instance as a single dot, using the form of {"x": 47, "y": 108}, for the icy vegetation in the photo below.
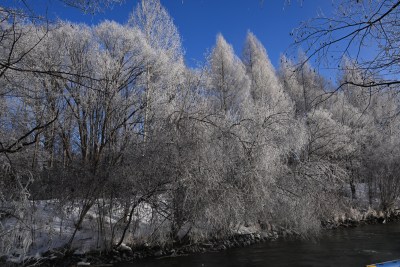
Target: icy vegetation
{"x": 107, "y": 139}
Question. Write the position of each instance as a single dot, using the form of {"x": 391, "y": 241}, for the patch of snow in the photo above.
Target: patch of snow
{"x": 124, "y": 248}
{"x": 51, "y": 225}
{"x": 82, "y": 263}
{"x": 245, "y": 230}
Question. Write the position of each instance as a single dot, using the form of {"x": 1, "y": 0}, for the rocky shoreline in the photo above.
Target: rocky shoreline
{"x": 367, "y": 217}
{"x": 63, "y": 257}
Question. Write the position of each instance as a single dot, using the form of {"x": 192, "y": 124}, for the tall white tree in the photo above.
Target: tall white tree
{"x": 151, "y": 17}
{"x": 266, "y": 89}
{"x": 229, "y": 83}
{"x": 164, "y": 70}
{"x": 305, "y": 87}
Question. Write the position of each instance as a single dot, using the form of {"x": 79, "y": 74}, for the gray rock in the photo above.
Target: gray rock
{"x": 207, "y": 245}
{"x": 221, "y": 247}
{"x": 265, "y": 235}
{"x": 124, "y": 248}
{"x": 158, "y": 253}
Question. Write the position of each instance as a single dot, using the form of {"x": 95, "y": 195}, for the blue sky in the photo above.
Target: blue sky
{"x": 199, "y": 21}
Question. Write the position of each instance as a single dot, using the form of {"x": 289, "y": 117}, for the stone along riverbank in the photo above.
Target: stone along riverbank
{"x": 245, "y": 238}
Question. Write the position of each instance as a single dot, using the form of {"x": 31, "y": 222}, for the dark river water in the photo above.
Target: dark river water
{"x": 344, "y": 247}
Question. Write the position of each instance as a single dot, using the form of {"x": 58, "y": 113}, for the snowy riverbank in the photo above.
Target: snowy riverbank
{"x": 52, "y": 233}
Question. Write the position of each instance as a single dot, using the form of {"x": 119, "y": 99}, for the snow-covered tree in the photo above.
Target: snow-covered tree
{"x": 305, "y": 87}
{"x": 158, "y": 27}
{"x": 163, "y": 72}
{"x": 229, "y": 84}
{"x": 266, "y": 89}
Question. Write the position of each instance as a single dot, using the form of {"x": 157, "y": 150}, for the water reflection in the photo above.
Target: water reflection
{"x": 346, "y": 247}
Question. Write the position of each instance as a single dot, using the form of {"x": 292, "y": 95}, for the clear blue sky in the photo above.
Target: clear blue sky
{"x": 199, "y": 21}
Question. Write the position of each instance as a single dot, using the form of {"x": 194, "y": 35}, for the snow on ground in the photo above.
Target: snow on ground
{"x": 362, "y": 196}
{"x": 50, "y": 225}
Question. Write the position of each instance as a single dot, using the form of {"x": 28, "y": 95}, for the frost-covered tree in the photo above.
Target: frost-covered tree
{"x": 164, "y": 71}
{"x": 328, "y": 138}
{"x": 266, "y": 89}
{"x": 91, "y": 6}
{"x": 151, "y": 17}
{"x": 305, "y": 87}
{"x": 270, "y": 108}
{"x": 379, "y": 162}
{"x": 229, "y": 84}
{"x": 359, "y": 97}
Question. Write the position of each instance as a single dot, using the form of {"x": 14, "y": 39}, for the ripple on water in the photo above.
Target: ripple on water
{"x": 343, "y": 247}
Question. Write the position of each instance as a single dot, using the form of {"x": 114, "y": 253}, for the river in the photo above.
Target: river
{"x": 343, "y": 247}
